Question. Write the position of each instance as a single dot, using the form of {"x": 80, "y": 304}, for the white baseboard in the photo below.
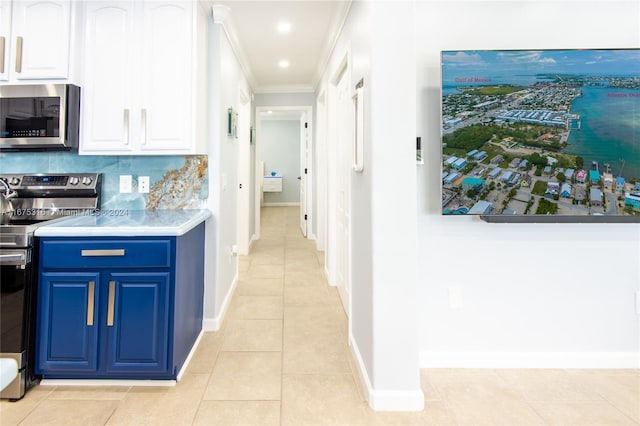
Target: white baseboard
{"x": 362, "y": 369}
{"x": 606, "y": 360}
{"x": 385, "y": 400}
{"x": 382, "y": 400}
{"x": 328, "y": 277}
{"x": 214, "y": 324}
{"x": 210, "y": 324}
{"x": 253, "y": 239}
{"x": 191, "y": 353}
{"x": 282, "y": 204}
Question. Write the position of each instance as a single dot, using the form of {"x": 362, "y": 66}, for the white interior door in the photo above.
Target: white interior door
{"x": 344, "y": 135}
{"x": 304, "y": 153}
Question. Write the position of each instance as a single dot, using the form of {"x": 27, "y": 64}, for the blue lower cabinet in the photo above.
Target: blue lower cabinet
{"x": 103, "y": 317}
{"x": 138, "y": 322}
{"x": 68, "y": 331}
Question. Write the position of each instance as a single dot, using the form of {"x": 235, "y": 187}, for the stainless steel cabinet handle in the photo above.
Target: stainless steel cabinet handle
{"x": 19, "y": 41}
{"x": 143, "y": 114}
{"x": 95, "y": 253}
{"x": 2, "y": 41}
{"x": 90, "y": 302}
{"x": 127, "y": 126}
{"x": 110, "y": 306}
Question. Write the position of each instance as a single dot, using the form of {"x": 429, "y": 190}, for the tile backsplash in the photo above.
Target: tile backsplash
{"x": 176, "y": 182}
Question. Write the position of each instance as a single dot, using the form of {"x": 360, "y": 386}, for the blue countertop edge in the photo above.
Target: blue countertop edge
{"x": 125, "y": 223}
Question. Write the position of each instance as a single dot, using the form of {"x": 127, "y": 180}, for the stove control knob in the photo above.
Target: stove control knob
{"x": 73, "y": 180}
{"x": 87, "y": 180}
{"x": 14, "y": 181}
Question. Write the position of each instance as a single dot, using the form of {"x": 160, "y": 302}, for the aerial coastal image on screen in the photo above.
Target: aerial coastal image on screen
{"x": 549, "y": 132}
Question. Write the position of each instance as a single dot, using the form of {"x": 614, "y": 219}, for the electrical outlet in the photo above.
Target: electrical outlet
{"x": 143, "y": 184}
{"x": 125, "y": 183}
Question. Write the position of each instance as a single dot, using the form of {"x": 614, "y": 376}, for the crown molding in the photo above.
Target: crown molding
{"x": 336, "y": 27}
{"x": 222, "y": 16}
{"x": 220, "y": 13}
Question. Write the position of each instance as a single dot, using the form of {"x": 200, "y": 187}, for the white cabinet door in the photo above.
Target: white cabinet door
{"x": 109, "y": 66}
{"x": 167, "y": 95}
{"x": 5, "y": 39}
{"x": 41, "y": 34}
{"x": 139, "y": 78}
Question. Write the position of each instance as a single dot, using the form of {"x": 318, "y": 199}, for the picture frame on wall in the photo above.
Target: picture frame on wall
{"x": 419, "y": 152}
{"x": 358, "y": 146}
{"x": 554, "y": 140}
{"x": 232, "y": 126}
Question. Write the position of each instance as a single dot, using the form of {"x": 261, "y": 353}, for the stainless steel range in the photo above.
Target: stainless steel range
{"x": 29, "y": 201}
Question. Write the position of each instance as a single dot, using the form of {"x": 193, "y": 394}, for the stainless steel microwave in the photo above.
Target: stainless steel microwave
{"x": 39, "y": 117}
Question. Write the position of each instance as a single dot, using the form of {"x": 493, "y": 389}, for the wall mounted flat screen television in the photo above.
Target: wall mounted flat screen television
{"x": 541, "y": 135}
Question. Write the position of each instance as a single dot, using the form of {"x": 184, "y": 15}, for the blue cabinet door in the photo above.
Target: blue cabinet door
{"x": 138, "y": 313}
{"x": 68, "y": 322}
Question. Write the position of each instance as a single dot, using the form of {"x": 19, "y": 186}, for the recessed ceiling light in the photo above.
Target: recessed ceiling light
{"x": 283, "y": 63}
{"x": 284, "y": 27}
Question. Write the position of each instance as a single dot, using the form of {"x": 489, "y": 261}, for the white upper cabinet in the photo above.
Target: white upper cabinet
{"x": 108, "y": 89}
{"x": 5, "y": 39}
{"x": 140, "y": 69}
{"x": 166, "y": 86}
{"x": 35, "y": 40}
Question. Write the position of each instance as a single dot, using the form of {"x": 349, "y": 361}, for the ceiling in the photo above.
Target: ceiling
{"x": 252, "y": 28}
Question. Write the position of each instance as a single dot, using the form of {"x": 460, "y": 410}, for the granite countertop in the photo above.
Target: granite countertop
{"x": 125, "y": 223}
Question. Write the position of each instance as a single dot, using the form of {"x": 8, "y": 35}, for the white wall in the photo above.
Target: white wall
{"x": 533, "y": 295}
{"x": 227, "y": 82}
{"x": 280, "y": 146}
{"x": 284, "y": 99}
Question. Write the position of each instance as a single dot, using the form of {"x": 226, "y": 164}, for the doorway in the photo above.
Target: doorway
{"x": 301, "y": 179}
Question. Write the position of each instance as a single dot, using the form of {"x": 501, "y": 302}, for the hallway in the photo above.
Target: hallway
{"x": 284, "y": 346}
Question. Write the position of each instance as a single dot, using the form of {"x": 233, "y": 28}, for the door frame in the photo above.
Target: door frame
{"x": 259, "y": 173}
{"x": 244, "y": 174}
{"x": 321, "y": 170}
{"x": 304, "y": 178}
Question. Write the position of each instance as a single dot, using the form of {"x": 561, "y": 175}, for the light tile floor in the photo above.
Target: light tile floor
{"x": 282, "y": 358}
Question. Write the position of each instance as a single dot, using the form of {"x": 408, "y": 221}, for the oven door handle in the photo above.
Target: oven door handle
{"x": 13, "y": 257}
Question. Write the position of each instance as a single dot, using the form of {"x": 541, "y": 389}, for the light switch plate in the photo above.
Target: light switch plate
{"x": 125, "y": 184}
